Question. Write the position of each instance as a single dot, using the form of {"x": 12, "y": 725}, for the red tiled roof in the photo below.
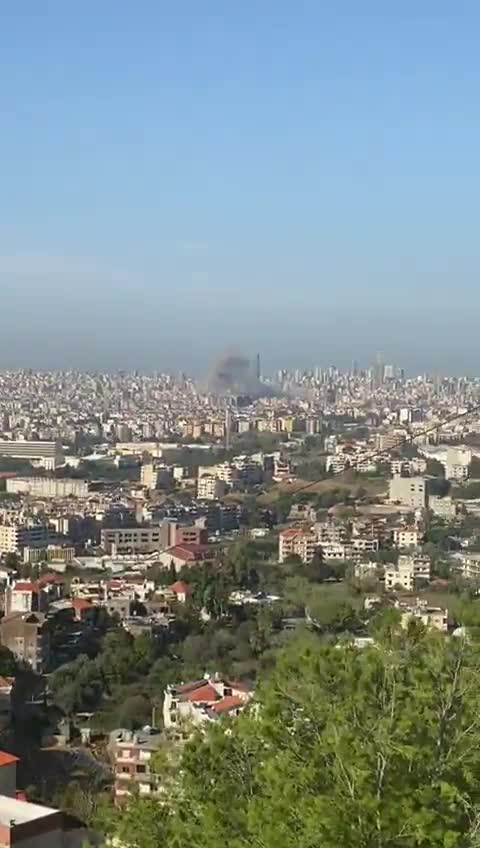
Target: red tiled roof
{"x": 227, "y": 704}
{"x": 50, "y": 578}
{"x": 205, "y": 693}
{"x": 81, "y": 604}
{"x": 189, "y": 687}
{"x": 180, "y": 588}
{"x": 25, "y": 586}
{"x": 6, "y": 682}
{"x": 189, "y": 551}
{"x": 7, "y": 759}
{"x": 293, "y": 532}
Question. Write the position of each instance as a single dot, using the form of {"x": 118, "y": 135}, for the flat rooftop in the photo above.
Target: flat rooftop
{"x": 14, "y": 812}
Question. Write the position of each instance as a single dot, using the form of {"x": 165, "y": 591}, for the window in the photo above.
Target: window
{"x": 141, "y": 769}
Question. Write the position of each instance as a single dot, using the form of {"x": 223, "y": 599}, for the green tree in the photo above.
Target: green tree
{"x": 135, "y": 712}
{"x": 8, "y": 664}
{"x": 372, "y": 748}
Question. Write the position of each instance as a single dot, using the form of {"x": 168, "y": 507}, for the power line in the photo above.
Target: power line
{"x": 408, "y": 439}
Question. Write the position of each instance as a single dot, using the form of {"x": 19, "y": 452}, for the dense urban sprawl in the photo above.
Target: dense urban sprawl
{"x": 166, "y": 545}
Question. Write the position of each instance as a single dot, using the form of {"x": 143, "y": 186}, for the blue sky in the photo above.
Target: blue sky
{"x": 299, "y": 178}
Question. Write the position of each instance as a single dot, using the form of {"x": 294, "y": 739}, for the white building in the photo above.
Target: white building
{"x": 203, "y": 701}
{"x": 47, "y": 487}
{"x": 45, "y": 454}
{"x": 409, "y": 491}
{"x": 457, "y": 463}
{"x": 209, "y": 488}
{"x": 15, "y": 537}
{"x": 366, "y": 569}
{"x": 406, "y": 572}
{"x": 443, "y": 507}
{"x": 468, "y": 565}
{"x": 406, "y": 537}
{"x": 297, "y": 541}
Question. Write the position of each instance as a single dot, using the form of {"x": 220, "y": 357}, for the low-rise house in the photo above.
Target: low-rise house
{"x": 180, "y": 590}
{"x": 203, "y": 700}
{"x": 24, "y": 596}
{"x": 430, "y": 616}
{"x": 181, "y": 555}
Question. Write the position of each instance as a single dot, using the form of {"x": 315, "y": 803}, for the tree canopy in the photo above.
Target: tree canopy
{"x": 344, "y": 748}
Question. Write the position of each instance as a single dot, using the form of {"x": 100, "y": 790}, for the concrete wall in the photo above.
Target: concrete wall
{"x": 8, "y": 780}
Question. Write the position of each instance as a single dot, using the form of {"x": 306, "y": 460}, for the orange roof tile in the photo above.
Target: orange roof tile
{"x": 205, "y": 693}
{"x": 7, "y": 759}
{"x": 179, "y": 587}
{"x": 81, "y": 604}
{"x": 227, "y": 704}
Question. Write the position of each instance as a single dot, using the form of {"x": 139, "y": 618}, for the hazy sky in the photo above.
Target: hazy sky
{"x": 296, "y": 178}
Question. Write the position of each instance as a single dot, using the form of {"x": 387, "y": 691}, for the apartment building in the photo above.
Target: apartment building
{"x": 130, "y": 540}
{"x": 47, "y": 454}
{"x": 173, "y": 533}
{"x": 48, "y": 487}
{"x": 27, "y": 636}
{"x": 209, "y": 488}
{"x": 409, "y": 491}
{"x": 399, "y": 577}
{"x": 457, "y": 463}
{"x": 407, "y": 572}
{"x": 297, "y": 541}
{"x": 336, "y": 464}
{"x": 156, "y": 476}
{"x": 226, "y": 472}
{"x": 364, "y": 545}
{"x": 406, "y": 537}
{"x": 132, "y": 760}
{"x": 14, "y": 537}
{"x": 467, "y": 564}
{"x": 443, "y": 507}
{"x": 282, "y": 469}
{"x": 337, "y": 550}
{"x": 329, "y": 531}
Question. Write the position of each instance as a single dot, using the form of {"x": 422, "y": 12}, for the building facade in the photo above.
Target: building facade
{"x": 409, "y": 491}
{"x": 47, "y": 487}
{"x": 15, "y": 537}
{"x": 297, "y": 542}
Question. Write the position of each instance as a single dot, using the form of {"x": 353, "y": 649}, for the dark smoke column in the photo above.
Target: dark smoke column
{"x": 234, "y": 376}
